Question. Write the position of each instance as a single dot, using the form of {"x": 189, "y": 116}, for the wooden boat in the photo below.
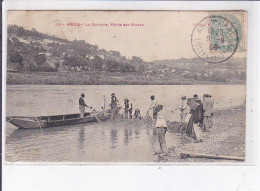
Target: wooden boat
{"x": 56, "y": 120}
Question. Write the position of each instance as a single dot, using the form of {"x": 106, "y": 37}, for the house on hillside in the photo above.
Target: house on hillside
{"x": 172, "y": 70}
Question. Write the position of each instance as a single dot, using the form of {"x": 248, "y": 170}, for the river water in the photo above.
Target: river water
{"x": 120, "y": 141}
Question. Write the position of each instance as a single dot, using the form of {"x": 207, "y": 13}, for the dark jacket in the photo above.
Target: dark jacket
{"x": 198, "y": 114}
{"x": 82, "y": 102}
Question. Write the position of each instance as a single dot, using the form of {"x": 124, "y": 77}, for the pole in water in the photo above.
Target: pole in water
{"x": 104, "y": 103}
{"x": 38, "y": 122}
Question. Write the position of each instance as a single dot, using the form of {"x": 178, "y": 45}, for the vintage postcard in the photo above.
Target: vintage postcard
{"x": 126, "y": 86}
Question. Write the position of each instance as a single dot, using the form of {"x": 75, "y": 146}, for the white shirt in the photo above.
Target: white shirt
{"x": 160, "y": 120}
{"x": 153, "y": 104}
{"x": 184, "y": 107}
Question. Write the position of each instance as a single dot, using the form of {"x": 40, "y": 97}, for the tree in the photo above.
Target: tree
{"x": 71, "y": 62}
{"x": 97, "y": 63}
{"x": 126, "y": 67}
{"x": 40, "y": 59}
{"x": 57, "y": 65}
{"x": 85, "y": 64}
{"x": 138, "y": 63}
{"x": 112, "y": 66}
{"x": 17, "y": 58}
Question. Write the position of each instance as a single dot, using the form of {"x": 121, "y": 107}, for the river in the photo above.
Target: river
{"x": 121, "y": 141}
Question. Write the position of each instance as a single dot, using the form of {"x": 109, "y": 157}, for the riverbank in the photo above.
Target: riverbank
{"x": 226, "y": 137}
{"x": 105, "y": 78}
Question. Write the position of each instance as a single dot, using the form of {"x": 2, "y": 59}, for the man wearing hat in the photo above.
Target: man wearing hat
{"x": 128, "y": 108}
{"x": 82, "y": 105}
{"x": 207, "y": 112}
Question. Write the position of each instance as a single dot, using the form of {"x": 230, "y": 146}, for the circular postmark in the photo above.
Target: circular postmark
{"x": 214, "y": 39}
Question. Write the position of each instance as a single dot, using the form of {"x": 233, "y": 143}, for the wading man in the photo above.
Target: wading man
{"x": 128, "y": 109}
{"x": 152, "y": 107}
{"x": 161, "y": 126}
{"x": 113, "y": 105}
{"x": 82, "y": 105}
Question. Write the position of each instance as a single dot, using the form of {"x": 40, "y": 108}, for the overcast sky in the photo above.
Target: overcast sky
{"x": 165, "y": 34}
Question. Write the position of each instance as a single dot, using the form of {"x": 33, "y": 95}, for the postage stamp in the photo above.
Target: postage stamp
{"x": 214, "y": 39}
{"x": 238, "y": 19}
{"x": 218, "y": 36}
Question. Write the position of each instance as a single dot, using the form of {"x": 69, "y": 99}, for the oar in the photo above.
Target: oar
{"x": 38, "y": 122}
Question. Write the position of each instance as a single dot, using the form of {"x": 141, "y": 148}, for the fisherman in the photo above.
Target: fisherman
{"x": 137, "y": 114}
{"x": 200, "y": 113}
{"x": 193, "y": 127}
{"x": 208, "y": 106}
{"x": 161, "y": 127}
{"x": 183, "y": 109}
{"x": 195, "y": 96}
{"x": 82, "y": 105}
{"x": 192, "y": 102}
{"x": 197, "y": 123}
{"x": 128, "y": 109}
{"x": 211, "y": 101}
{"x": 206, "y": 113}
{"x": 152, "y": 107}
{"x": 113, "y": 105}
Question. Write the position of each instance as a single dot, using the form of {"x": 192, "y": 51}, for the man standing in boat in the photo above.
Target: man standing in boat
{"x": 82, "y": 105}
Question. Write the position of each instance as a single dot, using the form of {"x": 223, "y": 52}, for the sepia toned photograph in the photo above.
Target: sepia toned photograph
{"x": 126, "y": 87}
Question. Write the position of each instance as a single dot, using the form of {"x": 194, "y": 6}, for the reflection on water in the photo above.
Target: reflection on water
{"x": 113, "y": 134}
{"x": 126, "y": 137}
{"x": 123, "y": 141}
{"x": 81, "y": 138}
{"x": 84, "y": 143}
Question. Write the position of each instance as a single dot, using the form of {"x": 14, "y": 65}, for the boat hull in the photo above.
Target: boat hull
{"x": 26, "y": 123}
{"x": 33, "y": 123}
{"x": 71, "y": 122}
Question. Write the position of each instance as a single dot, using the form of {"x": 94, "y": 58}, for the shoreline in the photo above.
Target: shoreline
{"x": 107, "y": 78}
{"x": 226, "y": 137}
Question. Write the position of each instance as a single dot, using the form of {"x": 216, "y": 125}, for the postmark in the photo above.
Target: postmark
{"x": 238, "y": 19}
{"x": 214, "y": 39}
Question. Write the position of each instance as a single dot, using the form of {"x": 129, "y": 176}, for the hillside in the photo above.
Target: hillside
{"x": 30, "y": 51}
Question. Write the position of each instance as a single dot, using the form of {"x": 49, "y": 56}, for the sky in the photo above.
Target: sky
{"x": 164, "y": 34}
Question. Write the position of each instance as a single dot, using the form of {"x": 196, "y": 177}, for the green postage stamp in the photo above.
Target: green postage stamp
{"x": 218, "y": 36}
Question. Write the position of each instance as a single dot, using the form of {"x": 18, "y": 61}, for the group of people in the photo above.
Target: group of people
{"x": 128, "y": 108}
{"x": 200, "y": 120}
{"x": 201, "y": 114}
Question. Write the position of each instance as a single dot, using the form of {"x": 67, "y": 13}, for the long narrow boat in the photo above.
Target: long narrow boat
{"x": 56, "y": 120}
